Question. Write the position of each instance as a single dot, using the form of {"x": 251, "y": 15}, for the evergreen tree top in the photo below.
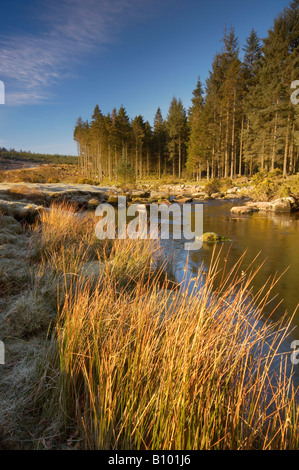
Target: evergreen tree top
{"x": 230, "y": 44}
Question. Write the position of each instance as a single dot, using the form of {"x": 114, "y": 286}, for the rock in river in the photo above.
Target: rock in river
{"x": 243, "y": 210}
{"x": 281, "y": 205}
{"x": 212, "y": 237}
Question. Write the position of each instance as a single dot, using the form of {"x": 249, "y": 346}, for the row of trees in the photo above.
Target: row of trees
{"x": 241, "y": 122}
{"x": 111, "y": 141}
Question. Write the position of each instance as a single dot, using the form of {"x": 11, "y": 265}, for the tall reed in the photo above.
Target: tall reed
{"x": 169, "y": 370}
{"x": 143, "y": 366}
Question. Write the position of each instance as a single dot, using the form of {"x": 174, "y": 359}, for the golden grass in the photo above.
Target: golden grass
{"x": 45, "y": 173}
{"x": 179, "y": 372}
{"x": 65, "y": 237}
{"x": 23, "y": 191}
{"x": 145, "y": 367}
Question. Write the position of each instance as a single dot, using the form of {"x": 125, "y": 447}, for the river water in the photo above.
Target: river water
{"x": 274, "y": 236}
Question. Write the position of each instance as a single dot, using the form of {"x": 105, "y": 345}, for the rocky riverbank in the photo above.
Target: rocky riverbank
{"x": 284, "y": 205}
{"x": 24, "y": 201}
{"x": 66, "y": 296}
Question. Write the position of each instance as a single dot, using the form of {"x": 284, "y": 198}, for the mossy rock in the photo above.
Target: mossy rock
{"x": 212, "y": 237}
{"x": 93, "y": 203}
{"x": 158, "y": 195}
{"x": 183, "y": 200}
{"x": 113, "y": 200}
{"x": 140, "y": 194}
{"x": 139, "y": 201}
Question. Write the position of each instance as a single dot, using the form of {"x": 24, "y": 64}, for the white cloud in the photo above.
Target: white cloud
{"x": 31, "y": 63}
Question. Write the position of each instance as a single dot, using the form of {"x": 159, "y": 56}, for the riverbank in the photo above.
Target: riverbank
{"x": 49, "y": 183}
{"x": 103, "y": 351}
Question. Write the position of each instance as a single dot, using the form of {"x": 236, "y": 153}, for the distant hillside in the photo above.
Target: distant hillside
{"x": 36, "y": 157}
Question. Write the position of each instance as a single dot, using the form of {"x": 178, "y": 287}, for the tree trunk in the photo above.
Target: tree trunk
{"x": 263, "y": 153}
{"x": 180, "y": 156}
{"x": 274, "y": 142}
{"x": 286, "y": 148}
{"x": 159, "y": 161}
{"x": 291, "y": 167}
{"x": 226, "y": 146}
{"x": 147, "y": 161}
{"x": 241, "y": 147}
{"x": 233, "y": 163}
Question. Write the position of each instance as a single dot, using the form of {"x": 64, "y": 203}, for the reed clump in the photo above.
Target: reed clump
{"x": 135, "y": 364}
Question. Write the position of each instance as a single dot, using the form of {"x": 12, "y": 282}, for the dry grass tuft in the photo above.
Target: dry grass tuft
{"x": 145, "y": 370}
{"x": 135, "y": 365}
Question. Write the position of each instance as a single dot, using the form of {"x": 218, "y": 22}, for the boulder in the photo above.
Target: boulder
{"x": 281, "y": 205}
{"x": 232, "y": 190}
{"x": 243, "y": 210}
{"x": 81, "y": 201}
{"x": 7, "y": 221}
{"x": 157, "y": 195}
{"x": 93, "y": 203}
{"x": 113, "y": 200}
{"x": 217, "y": 195}
{"x": 183, "y": 200}
{"x": 139, "y": 194}
{"x": 20, "y": 210}
{"x": 294, "y": 203}
{"x": 212, "y": 237}
{"x": 260, "y": 206}
{"x": 233, "y": 196}
{"x": 246, "y": 189}
{"x": 143, "y": 201}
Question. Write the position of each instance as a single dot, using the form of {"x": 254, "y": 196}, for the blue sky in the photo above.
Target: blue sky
{"x": 58, "y": 59}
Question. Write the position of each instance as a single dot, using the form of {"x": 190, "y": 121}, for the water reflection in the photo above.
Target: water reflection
{"x": 273, "y": 236}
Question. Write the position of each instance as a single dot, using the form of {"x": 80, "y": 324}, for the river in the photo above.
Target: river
{"x": 274, "y": 236}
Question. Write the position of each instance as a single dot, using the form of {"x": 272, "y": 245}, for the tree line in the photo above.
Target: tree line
{"x": 22, "y": 155}
{"x": 241, "y": 121}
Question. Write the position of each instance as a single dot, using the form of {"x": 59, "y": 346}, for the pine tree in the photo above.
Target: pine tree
{"x": 97, "y": 142}
{"x": 159, "y": 139}
{"x": 271, "y": 95}
{"x": 230, "y": 89}
{"x": 252, "y": 63}
{"x": 148, "y": 146}
{"x": 178, "y": 133}
{"x": 138, "y": 128}
{"x": 196, "y": 134}
{"x": 122, "y": 134}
